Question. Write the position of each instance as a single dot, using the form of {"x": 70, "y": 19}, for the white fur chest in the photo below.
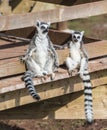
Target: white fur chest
{"x": 41, "y": 53}
{"x": 42, "y": 45}
{"x": 75, "y": 52}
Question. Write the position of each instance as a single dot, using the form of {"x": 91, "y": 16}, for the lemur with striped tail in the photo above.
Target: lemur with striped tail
{"x": 78, "y": 58}
{"x": 40, "y": 59}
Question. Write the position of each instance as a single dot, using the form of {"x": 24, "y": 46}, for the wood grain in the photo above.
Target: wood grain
{"x": 70, "y": 106}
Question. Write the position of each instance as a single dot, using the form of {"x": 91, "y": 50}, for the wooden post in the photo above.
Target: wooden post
{"x": 56, "y": 15}
{"x": 62, "y": 25}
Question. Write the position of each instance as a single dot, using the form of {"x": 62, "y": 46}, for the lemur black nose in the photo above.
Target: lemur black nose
{"x": 46, "y": 30}
{"x": 75, "y": 40}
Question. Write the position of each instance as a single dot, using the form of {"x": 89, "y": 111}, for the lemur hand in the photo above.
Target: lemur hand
{"x": 23, "y": 58}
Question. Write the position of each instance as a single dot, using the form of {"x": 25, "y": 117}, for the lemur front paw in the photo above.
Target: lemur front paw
{"x": 70, "y": 72}
{"x": 45, "y": 72}
{"x": 22, "y": 58}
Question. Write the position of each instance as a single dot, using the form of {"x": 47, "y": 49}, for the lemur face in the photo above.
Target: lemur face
{"x": 42, "y": 27}
{"x": 77, "y": 36}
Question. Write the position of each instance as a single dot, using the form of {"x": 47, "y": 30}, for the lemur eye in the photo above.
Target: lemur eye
{"x": 78, "y": 37}
{"x": 74, "y": 36}
{"x": 42, "y": 27}
{"x": 47, "y": 27}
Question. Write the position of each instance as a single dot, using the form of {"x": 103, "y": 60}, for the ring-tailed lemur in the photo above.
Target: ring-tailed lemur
{"x": 40, "y": 59}
{"x": 78, "y": 58}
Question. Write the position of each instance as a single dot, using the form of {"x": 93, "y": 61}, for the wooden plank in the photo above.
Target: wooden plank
{"x": 57, "y": 15}
{"x": 62, "y": 25}
{"x": 10, "y": 64}
{"x": 18, "y": 32}
{"x": 49, "y": 90}
{"x": 14, "y": 83}
{"x": 53, "y": 34}
{"x": 62, "y": 107}
{"x": 75, "y": 108}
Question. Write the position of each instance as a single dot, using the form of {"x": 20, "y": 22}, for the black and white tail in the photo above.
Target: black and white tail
{"x": 88, "y": 101}
{"x": 29, "y": 84}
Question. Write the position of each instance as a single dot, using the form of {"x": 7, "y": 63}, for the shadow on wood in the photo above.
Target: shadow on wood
{"x": 68, "y": 106}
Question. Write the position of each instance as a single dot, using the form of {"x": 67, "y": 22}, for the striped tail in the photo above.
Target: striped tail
{"x": 88, "y": 101}
{"x": 29, "y": 84}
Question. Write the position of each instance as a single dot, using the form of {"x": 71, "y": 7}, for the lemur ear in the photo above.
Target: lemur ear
{"x": 72, "y": 31}
{"x": 37, "y": 23}
{"x": 82, "y": 33}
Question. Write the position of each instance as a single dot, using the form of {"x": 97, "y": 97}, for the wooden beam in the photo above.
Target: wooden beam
{"x": 62, "y": 25}
{"x": 55, "y": 15}
{"x": 18, "y": 94}
{"x": 69, "y": 106}
{"x": 94, "y": 66}
{"x": 10, "y": 84}
{"x": 75, "y": 108}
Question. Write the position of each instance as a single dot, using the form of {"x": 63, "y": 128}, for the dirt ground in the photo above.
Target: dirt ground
{"x": 52, "y": 125}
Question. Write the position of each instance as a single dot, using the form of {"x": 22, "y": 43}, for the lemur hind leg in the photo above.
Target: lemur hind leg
{"x": 71, "y": 65}
{"x": 34, "y": 67}
{"x": 48, "y": 69}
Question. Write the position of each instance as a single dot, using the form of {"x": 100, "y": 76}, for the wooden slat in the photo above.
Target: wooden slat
{"x": 9, "y": 45}
{"x": 11, "y": 64}
{"x": 75, "y": 108}
{"x": 64, "y": 107}
{"x": 14, "y": 83}
{"x": 48, "y": 90}
{"x": 53, "y": 34}
{"x": 57, "y": 15}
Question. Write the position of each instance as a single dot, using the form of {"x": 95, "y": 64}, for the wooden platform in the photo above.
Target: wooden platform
{"x": 12, "y": 89}
{"x": 70, "y": 106}
{"x": 61, "y": 98}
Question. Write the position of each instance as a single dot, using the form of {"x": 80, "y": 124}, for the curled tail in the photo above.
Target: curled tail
{"x": 29, "y": 84}
{"x": 88, "y": 101}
